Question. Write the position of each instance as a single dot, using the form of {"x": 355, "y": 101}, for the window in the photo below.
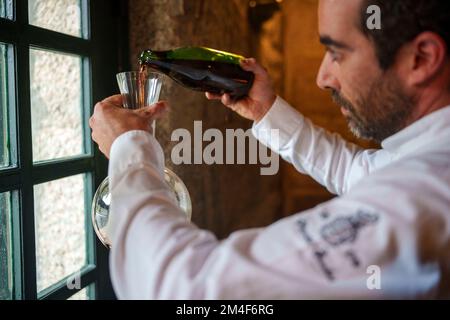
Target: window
{"x": 6, "y": 9}
{"x": 47, "y": 14}
{"x": 7, "y": 153}
{"x": 7, "y": 201}
{"x": 64, "y": 60}
{"x": 56, "y": 94}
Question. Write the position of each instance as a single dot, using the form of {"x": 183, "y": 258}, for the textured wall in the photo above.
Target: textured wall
{"x": 225, "y": 197}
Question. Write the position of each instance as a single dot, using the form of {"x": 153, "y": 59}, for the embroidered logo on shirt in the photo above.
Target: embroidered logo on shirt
{"x": 345, "y": 229}
{"x": 340, "y": 231}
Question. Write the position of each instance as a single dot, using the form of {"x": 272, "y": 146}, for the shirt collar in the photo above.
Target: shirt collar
{"x": 421, "y": 133}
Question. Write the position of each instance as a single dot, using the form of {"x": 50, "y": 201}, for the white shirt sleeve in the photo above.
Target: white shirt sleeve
{"x": 323, "y": 253}
{"x": 329, "y": 159}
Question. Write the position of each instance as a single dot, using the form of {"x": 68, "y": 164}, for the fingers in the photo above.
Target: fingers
{"x": 110, "y": 102}
{"x": 160, "y": 110}
{"x": 155, "y": 111}
{"x": 106, "y": 106}
{"x": 91, "y": 122}
{"x": 116, "y": 100}
{"x": 250, "y": 64}
{"x": 226, "y": 100}
{"x": 212, "y": 96}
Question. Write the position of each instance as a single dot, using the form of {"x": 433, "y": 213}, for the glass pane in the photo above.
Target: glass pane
{"x": 83, "y": 294}
{"x": 6, "y": 9}
{"x": 5, "y": 157}
{"x": 60, "y": 229}
{"x": 6, "y": 274}
{"x": 58, "y": 15}
{"x": 56, "y": 97}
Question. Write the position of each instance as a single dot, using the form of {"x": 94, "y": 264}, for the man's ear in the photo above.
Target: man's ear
{"x": 427, "y": 56}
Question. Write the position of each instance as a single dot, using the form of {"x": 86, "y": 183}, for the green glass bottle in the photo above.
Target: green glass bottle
{"x": 201, "y": 69}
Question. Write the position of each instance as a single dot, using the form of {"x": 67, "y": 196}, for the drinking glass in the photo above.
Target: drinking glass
{"x": 138, "y": 89}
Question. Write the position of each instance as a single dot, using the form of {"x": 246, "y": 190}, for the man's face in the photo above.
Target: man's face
{"x": 372, "y": 100}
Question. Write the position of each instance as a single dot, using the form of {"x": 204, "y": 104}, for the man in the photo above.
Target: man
{"x": 387, "y": 235}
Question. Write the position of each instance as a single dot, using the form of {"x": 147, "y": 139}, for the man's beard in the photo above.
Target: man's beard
{"x": 382, "y": 112}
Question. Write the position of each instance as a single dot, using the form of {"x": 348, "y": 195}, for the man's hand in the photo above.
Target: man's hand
{"x": 110, "y": 120}
{"x": 260, "y": 98}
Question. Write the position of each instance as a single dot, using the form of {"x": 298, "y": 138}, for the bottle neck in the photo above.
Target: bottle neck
{"x": 190, "y": 53}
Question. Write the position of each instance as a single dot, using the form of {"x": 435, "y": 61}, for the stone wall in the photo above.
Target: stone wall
{"x": 225, "y": 197}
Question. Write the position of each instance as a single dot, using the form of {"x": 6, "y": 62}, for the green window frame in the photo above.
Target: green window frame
{"x": 103, "y": 54}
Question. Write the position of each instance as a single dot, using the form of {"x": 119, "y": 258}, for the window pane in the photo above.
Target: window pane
{"x": 6, "y": 9}
{"x": 83, "y": 294}
{"x": 56, "y": 97}
{"x": 60, "y": 229}
{"x": 58, "y": 15}
{"x": 6, "y": 270}
{"x": 5, "y": 155}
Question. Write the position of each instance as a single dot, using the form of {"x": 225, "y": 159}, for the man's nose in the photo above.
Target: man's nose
{"x": 325, "y": 78}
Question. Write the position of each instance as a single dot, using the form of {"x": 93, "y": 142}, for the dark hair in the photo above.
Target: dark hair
{"x": 402, "y": 21}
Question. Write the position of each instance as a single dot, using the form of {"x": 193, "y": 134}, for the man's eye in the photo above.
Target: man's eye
{"x": 334, "y": 55}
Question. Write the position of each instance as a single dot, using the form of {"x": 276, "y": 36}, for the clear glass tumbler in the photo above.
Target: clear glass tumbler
{"x": 138, "y": 90}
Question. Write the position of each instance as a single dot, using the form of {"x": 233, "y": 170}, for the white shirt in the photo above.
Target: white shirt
{"x": 387, "y": 235}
